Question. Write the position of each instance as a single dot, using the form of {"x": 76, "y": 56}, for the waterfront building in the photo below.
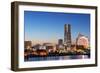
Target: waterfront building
{"x": 82, "y": 40}
{"x": 60, "y": 42}
{"x": 50, "y": 47}
{"x": 27, "y": 44}
{"x": 43, "y": 47}
{"x": 37, "y": 46}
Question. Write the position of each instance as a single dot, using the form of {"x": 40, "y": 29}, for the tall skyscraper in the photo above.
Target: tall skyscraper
{"x": 67, "y": 35}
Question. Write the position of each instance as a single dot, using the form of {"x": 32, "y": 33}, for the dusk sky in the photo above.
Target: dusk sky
{"x": 49, "y": 26}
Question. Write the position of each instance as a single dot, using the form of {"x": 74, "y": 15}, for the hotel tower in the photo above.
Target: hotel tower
{"x": 67, "y": 35}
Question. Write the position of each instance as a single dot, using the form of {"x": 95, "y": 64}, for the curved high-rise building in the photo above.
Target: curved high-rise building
{"x": 82, "y": 40}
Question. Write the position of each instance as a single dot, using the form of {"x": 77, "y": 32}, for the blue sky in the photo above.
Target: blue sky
{"x": 49, "y": 26}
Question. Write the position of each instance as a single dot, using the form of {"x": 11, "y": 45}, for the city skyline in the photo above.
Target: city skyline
{"x": 43, "y": 27}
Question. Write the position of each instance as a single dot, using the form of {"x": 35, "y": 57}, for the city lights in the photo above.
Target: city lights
{"x": 64, "y": 47}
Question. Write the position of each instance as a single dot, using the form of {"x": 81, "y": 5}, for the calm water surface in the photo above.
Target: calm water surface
{"x": 58, "y": 58}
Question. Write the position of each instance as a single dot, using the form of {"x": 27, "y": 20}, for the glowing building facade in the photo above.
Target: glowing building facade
{"x": 82, "y": 40}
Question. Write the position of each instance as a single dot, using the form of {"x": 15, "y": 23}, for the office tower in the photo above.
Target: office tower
{"x": 27, "y": 44}
{"x": 67, "y": 35}
{"x": 60, "y": 42}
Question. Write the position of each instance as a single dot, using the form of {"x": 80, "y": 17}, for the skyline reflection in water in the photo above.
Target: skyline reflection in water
{"x": 58, "y": 58}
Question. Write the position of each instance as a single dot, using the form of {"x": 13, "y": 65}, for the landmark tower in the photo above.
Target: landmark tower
{"x": 67, "y": 35}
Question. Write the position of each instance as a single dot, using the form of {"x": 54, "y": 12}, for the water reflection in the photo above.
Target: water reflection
{"x": 58, "y": 58}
